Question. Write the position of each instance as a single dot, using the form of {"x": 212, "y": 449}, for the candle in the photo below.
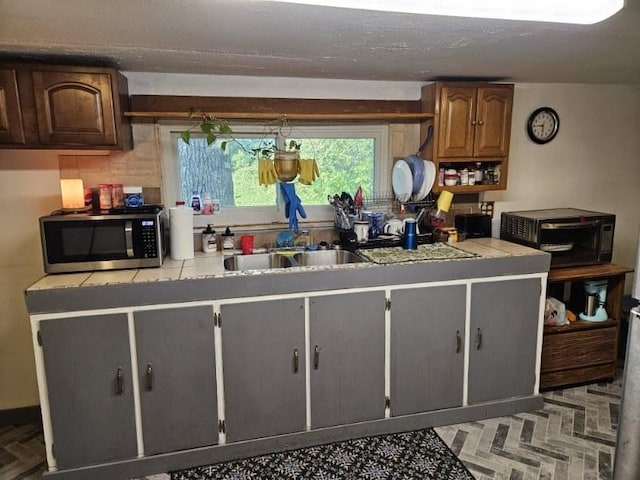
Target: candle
{"x": 72, "y": 193}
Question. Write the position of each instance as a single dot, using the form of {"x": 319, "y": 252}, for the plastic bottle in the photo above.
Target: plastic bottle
{"x": 207, "y": 208}
{"x": 478, "y": 173}
{"x": 209, "y": 240}
{"x": 228, "y": 241}
{"x": 196, "y": 203}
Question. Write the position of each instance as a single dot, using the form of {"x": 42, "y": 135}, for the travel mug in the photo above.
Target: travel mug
{"x": 410, "y": 241}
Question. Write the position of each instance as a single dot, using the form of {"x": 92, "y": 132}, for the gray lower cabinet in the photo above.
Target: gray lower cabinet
{"x": 347, "y": 364}
{"x": 177, "y": 378}
{"x": 263, "y": 355}
{"x": 87, "y": 362}
{"x": 503, "y": 338}
{"x": 427, "y": 348}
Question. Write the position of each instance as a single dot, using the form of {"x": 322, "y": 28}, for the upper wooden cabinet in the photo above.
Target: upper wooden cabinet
{"x": 472, "y": 123}
{"x": 44, "y": 106}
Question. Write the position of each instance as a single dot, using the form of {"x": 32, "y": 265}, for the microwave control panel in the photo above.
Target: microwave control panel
{"x": 149, "y": 238}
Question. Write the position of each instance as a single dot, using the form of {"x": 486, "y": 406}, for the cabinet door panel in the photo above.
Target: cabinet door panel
{"x": 427, "y": 348}
{"x": 348, "y": 384}
{"x": 92, "y": 422}
{"x": 457, "y": 114}
{"x": 493, "y": 126}
{"x": 504, "y": 332}
{"x": 264, "y": 392}
{"x": 74, "y": 108}
{"x": 177, "y": 376}
{"x": 11, "y": 129}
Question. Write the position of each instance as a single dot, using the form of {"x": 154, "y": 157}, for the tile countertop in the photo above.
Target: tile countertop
{"x": 210, "y": 266}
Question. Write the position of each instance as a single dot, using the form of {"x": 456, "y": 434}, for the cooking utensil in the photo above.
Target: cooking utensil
{"x": 417, "y": 166}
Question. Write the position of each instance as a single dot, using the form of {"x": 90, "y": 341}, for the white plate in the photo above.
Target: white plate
{"x": 427, "y": 183}
{"x": 402, "y": 181}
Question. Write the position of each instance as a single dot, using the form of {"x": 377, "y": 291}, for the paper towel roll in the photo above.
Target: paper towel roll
{"x": 181, "y": 232}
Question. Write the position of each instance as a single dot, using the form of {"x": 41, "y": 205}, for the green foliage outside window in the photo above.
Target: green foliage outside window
{"x": 232, "y": 175}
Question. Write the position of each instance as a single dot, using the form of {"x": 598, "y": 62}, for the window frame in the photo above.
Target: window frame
{"x": 168, "y": 136}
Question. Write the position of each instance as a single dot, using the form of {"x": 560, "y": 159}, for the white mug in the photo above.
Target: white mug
{"x": 361, "y": 230}
{"x": 394, "y": 226}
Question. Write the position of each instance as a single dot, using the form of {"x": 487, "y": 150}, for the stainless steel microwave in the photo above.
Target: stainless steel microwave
{"x": 122, "y": 238}
{"x": 572, "y": 236}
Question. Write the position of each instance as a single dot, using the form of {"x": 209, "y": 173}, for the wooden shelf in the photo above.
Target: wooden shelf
{"x": 386, "y": 116}
{"x": 468, "y": 188}
{"x": 587, "y": 272}
{"x": 579, "y": 325}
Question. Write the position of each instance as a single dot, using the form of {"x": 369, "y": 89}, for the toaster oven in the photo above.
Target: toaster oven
{"x": 572, "y": 236}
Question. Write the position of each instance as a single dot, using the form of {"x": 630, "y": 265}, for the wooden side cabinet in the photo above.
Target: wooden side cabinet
{"x": 44, "y": 106}
{"x": 582, "y": 351}
{"x": 472, "y": 123}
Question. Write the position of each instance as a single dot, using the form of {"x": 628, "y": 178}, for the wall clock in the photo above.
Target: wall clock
{"x": 543, "y": 125}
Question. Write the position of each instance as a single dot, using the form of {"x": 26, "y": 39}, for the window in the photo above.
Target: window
{"x": 348, "y": 156}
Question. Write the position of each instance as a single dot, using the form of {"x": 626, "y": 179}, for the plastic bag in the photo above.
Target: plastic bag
{"x": 554, "y": 312}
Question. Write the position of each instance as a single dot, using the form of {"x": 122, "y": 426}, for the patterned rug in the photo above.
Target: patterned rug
{"x": 418, "y": 455}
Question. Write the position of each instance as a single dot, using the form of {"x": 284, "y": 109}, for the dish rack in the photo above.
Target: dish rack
{"x": 387, "y": 202}
{"x": 384, "y": 202}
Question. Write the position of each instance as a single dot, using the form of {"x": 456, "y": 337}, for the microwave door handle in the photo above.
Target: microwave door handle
{"x": 128, "y": 238}
{"x": 567, "y": 226}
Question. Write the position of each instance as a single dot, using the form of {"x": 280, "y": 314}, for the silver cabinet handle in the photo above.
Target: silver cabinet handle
{"x": 296, "y": 360}
{"x": 316, "y": 357}
{"x": 119, "y": 381}
{"x": 473, "y": 122}
{"x": 478, "y": 339}
{"x": 149, "y": 376}
{"x": 458, "y": 341}
{"x": 481, "y": 122}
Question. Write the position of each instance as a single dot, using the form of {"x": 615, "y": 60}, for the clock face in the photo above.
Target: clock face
{"x": 543, "y": 125}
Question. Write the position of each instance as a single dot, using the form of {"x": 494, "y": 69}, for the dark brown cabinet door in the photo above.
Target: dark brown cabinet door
{"x": 11, "y": 129}
{"x": 74, "y": 108}
{"x": 493, "y": 121}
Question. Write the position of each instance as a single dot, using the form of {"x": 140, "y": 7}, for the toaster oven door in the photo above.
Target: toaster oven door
{"x": 571, "y": 243}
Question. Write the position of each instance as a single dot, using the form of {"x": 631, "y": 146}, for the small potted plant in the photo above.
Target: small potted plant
{"x": 286, "y": 162}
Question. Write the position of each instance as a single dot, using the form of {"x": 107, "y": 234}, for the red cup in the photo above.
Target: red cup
{"x": 246, "y": 244}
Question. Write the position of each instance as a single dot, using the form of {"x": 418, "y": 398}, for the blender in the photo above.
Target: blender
{"x": 596, "y": 291}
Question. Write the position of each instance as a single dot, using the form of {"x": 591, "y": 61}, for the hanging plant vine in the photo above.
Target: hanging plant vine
{"x": 208, "y": 124}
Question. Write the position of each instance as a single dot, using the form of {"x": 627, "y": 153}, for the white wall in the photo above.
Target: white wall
{"x": 29, "y": 187}
{"x": 593, "y": 163}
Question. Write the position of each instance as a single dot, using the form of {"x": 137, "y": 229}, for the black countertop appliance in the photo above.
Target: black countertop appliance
{"x": 474, "y": 225}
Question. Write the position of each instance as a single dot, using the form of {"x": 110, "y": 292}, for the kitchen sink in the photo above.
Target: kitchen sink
{"x": 267, "y": 261}
{"x": 327, "y": 257}
{"x": 259, "y": 261}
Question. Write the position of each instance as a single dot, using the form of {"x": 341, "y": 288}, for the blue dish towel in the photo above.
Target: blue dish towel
{"x": 292, "y": 205}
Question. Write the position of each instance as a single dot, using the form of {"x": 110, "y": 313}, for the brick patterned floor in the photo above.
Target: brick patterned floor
{"x": 571, "y": 438}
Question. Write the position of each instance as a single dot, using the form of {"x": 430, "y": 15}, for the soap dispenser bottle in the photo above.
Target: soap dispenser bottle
{"x": 209, "y": 240}
{"x": 228, "y": 241}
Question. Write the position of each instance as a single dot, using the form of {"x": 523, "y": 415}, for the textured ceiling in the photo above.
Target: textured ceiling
{"x": 263, "y": 38}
